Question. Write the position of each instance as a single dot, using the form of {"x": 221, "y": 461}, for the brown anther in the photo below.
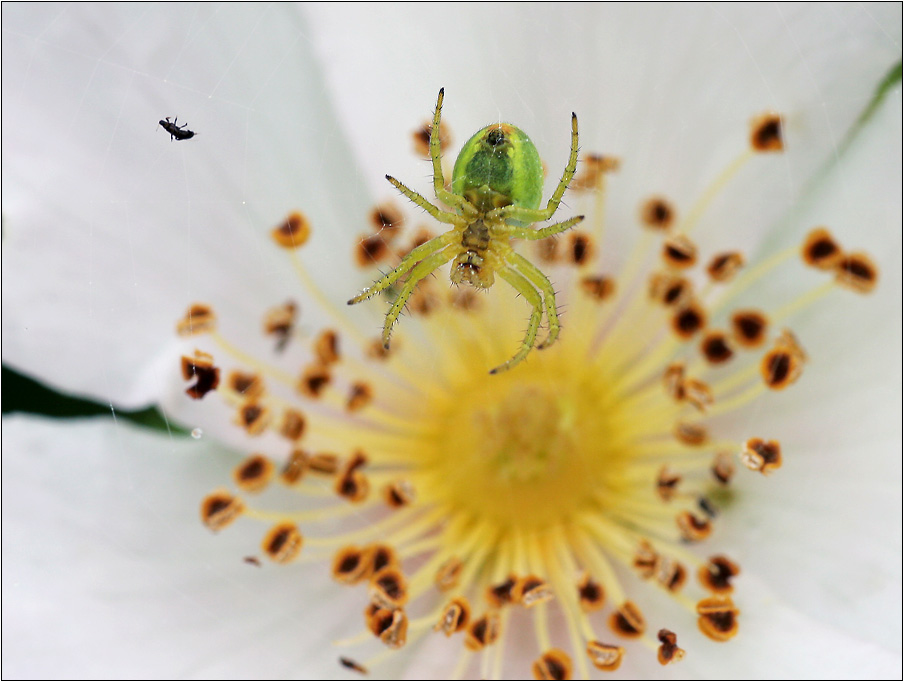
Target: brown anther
{"x": 354, "y": 487}
{"x": 857, "y": 272}
{"x": 295, "y": 469}
{"x": 421, "y": 138}
{"x": 379, "y": 556}
{"x": 464, "y": 298}
{"x": 670, "y": 290}
{"x": 693, "y": 528}
{"x": 253, "y": 417}
{"x": 547, "y": 250}
{"x": 593, "y": 167}
{"x": 766, "y": 133}
{"x": 820, "y": 250}
{"x": 280, "y": 322}
{"x": 326, "y": 347}
{"x": 483, "y": 632}
{"x": 673, "y": 378}
{"x": 359, "y": 396}
{"x": 657, "y": 213}
{"x": 718, "y": 618}
{"x": 716, "y": 347}
{"x": 788, "y": 340}
{"x": 448, "y": 574}
{"x": 667, "y": 484}
{"x": 422, "y": 236}
{"x": 391, "y": 626}
{"x": 749, "y": 328}
{"x": 670, "y": 573}
{"x": 351, "y": 483}
{"x": 248, "y": 386}
{"x": 454, "y": 617}
{"x": 352, "y": 665}
{"x": 689, "y": 320}
{"x": 293, "y": 232}
{"x": 717, "y": 574}
{"x": 669, "y": 651}
{"x": 314, "y": 379}
{"x": 370, "y": 249}
{"x": 606, "y": 657}
{"x": 598, "y": 287}
{"x": 645, "y": 558}
{"x": 398, "y": 493}
{"x": 351, "y": 565}
{"x": 253, "y": 474}
{"x": 252, "y": 561}
{"x": 220, "y": 508}
{"x": 532, "y": 590}
{"x": 387, "y": 219}
{"x": 627, "y": 620}
{"x": 555, "y": 664}
{"x": 591, "y": 595}
{"x": 698, "y": 394}
{"x": 282, "y": 543}
{"x": 324, "y": 463}
{"x": 691, "y": 434}
{"x": 388, "y": 588}
{"x": 762, "y": 456}
{"x": 424, "y": 300}
{"x": 580, "y": 248}
{"x": 780, "y": 368}
{"x": 293, "y": 424}
{"x": 199, "y": 319}
{"x": 679, "y": 252}
{"x": 200, "y": 367}
{"x": 377, "y": 351}
{"x": 724, "y": 266}
{"x": 723, "y": 468}
{"x": 503, "y": 593}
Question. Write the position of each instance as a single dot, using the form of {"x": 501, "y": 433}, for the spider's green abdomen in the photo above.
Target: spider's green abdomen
{"x": 499, "y": 166}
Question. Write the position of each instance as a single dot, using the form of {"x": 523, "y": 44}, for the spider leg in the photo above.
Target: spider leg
{"x": 528, "y": 233}
{"x": 421, "y": 270}
{"x": 408, "y": 262}
{"x": 528, "y": 215}
{"x": 439, "y": 183}
{"x": 536, "y": 277}
{"x": 525, "y": 288}
{"x": 435, "y": 211}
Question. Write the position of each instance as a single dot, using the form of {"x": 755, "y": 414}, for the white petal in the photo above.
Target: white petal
{"x": 108, "y": 572}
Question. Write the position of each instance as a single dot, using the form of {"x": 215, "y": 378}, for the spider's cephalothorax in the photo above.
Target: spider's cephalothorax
{"x": 497, "y": 185}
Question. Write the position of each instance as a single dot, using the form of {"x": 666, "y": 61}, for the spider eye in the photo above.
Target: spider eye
{"x": 495, "y": 137}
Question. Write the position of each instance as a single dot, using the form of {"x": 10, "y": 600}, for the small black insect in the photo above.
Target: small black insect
{"x": 176, "y": 132}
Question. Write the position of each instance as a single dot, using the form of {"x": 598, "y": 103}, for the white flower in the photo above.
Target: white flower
{"x": 111, "y": 229}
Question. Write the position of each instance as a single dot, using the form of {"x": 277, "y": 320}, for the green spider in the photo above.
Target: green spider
{"x": 497, "y": 185}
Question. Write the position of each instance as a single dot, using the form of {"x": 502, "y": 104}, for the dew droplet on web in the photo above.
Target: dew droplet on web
{"x": 196, "y": 433}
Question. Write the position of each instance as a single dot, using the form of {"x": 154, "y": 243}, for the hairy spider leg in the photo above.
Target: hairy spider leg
{"x": 439, "y": 182}
{"x": 525, "y": 288}
{"x": 438, "y": 213}
{"x": 407, "y": 263}
{"x": 534, "y": 215}
{"x": 536, "y": 277}
{"x": 518, "y": 232}
{"x": 421, "y": 270}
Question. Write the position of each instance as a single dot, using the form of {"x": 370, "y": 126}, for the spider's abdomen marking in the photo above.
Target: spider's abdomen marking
{"x": 499, "y": 166}
{"x": 476, "y": 237}
{"x": 470, "y": 266}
